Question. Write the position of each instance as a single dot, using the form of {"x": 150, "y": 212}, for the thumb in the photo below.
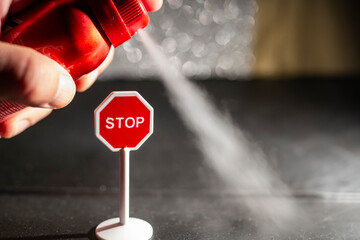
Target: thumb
{"x": 31, "y": 79}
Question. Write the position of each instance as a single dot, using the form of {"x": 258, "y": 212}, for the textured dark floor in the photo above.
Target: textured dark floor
{"x": 57, "y": 181}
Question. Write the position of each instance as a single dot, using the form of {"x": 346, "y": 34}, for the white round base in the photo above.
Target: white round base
{"x": 134, "y": 229}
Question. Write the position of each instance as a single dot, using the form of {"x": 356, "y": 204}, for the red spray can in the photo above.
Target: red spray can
{"x": 77, "y": 34}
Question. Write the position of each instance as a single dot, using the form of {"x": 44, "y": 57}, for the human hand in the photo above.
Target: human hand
{"x": 31, "y": 79}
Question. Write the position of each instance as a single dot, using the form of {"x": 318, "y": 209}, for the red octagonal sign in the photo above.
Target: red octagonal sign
{"x": 124, "y": 120}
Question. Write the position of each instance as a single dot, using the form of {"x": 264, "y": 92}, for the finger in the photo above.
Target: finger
{"x": 86, "y": 81}
{"x": 31, "y": 79}
{"x": 4, "y": 8}
{"x": 22, "y": 120}
{"x": 152, "y": 5}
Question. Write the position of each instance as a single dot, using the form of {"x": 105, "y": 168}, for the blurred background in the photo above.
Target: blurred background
{"x": 203, "y": 38}
{"x": 237, "y": 39}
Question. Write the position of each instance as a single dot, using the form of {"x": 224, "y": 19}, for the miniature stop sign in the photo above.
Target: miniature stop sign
{"x": 124, "y": 120}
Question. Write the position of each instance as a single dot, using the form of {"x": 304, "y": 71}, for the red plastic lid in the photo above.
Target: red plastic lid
{"x": 120, "y": 19}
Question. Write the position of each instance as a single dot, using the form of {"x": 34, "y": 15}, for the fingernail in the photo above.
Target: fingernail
{"x": 22, "y": 126}
{"x": 65, "y": 92}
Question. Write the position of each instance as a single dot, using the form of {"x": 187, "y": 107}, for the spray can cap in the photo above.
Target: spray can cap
{"x": 120, "y": 19}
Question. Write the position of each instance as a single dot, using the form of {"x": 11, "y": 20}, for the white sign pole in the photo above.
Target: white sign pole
{"x": 124, "y": 185}
{"x": 124, "y": 227}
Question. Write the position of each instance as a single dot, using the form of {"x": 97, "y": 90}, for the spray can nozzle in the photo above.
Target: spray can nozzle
{"x": 120, "y": 19}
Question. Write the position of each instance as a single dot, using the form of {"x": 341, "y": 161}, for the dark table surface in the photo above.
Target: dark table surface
{"x": 58, "y": 181}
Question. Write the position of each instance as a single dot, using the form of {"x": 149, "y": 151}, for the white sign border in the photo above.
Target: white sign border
{"x": 107, "y": 100}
